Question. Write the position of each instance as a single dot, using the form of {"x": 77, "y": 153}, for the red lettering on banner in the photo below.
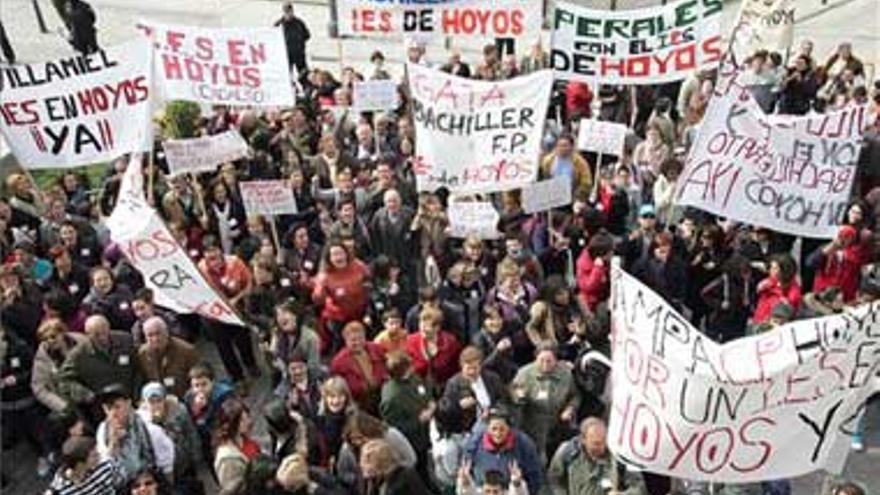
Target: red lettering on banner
{"x": 370, "y": 21}
{"x": 484, "y": 22}
{"x": 204, "y": 48}
{"x": 714, "y": 448}
{"x": 646, "y": 424}
{"x": 156, "y": 245}
{"x": 171, "y": 67}
{"x": 22, "y": 113}
{"x": 174, "y": 40}
{"x": 765, "y": 446}
{"x": 236, "y": 52}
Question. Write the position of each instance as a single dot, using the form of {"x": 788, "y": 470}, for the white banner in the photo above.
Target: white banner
{"x": 151, "y": 248}
{"x": 603, "y": 137}
{"x": 203, "y": 154}
{"x": 477, "y": 136}
{"x": 546, "y": 195}
{"x": 267, "y": 197}
{"x": 78, "y": 110}
{"x": 221, "y": 66}
{"x": 473, "y": 218}
{"x": 369, "y": 96}
{"x": 641, "y": 46}
{"x": 763, "y": 25}
{"x": 773, "y": 406}
{"x": 790, "y": 174}
{"x": 520, "y": 19}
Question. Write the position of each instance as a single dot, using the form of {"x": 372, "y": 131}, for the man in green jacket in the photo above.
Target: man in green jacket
{"x": 583, "y": 466}
{"x": 545, "y": 391}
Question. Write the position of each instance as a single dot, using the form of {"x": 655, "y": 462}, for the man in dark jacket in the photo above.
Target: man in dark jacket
{"x": 470, "y": 394}
{"x": 83, "y": 36}
{"x": 296, "y": 34}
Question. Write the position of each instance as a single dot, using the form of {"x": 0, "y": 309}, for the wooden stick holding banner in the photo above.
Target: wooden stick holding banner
{"x": 273, "y": 226}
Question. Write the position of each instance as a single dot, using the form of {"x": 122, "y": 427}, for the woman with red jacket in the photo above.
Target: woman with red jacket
{"x": 434, "y": 352}
{"x": 340, "y": 291}
{"x": 780, "y": 286}
{"x": 839, "y": 263}
{"x": 591, "y": 271}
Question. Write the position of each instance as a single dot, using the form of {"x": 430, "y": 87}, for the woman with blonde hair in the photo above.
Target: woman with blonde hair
{"x": 337, "y": 404}
{"x": 54, "y": 344}
{"x": 383, "y": 472}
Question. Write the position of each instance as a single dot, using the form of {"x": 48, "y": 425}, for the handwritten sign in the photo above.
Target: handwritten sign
{"x": 477, "y": 136}
{"x": 601, "y": 137}
{"x": 151, "y": 248}
{"x": 203, "y": 154}
{"x": 546, "y": 195}
{"x": 790, "y": 174}
{"x": 267, "y": 197}
{"x": 78, "y": 110}
{"x": 459, "y": 18}
{"x": 640, "y": 46}
{"x": 369, "y": 96}
{"x": 773, "y": 406}
{"x": 763, "y": 24}
{"x": 473, "y": 218}
{"x": 240, "y": 67}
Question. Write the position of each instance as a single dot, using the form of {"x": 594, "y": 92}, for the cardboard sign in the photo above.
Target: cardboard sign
{"x": 773, "y": 406}
{"x": 598, "y": 136}
{"x": 151, "y": 248}
{"x": 642, "y": 46}
{"x": 459, "y": 18}
{"x": 78, "y": 110}
{"x": 369, "y": 96}
{"x": 225, "y": 66}
{"x": 546, "y": 195}
{"x": 267, "y": 197}
{"x": 763, "y": 24}
{"x": 473, "y": 218}
{"x": 787, "y": 173}
{"x": 203, "y": 154}
{"x": 477, "y": 136}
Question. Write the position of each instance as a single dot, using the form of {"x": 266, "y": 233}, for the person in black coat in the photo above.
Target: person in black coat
{"x": 83, "y": 36}
{"x": 461, "y": 405}
{"x": 296, "y": 34}
{"x": 663, "y": 271}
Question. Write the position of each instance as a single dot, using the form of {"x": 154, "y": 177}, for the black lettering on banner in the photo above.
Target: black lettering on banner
{"x": 821, "y": 432}
{"x": 173, "y": 278}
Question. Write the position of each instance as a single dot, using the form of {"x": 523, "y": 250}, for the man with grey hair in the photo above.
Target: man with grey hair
{"x": 165, "y": 358}
{"x": 106, "y": 358}
{"x": 390, "y": 232}
{"x": 583, "y": 466}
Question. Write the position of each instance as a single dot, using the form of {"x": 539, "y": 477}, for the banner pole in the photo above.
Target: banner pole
{"x": 274, "y": 228}
{"x": 151, "y": 169}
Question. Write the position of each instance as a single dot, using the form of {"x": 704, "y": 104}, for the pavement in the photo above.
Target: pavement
{"x": 825, "y": 22}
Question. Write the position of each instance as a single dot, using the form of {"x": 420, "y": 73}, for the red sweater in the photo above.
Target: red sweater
{"x": 342, "y": 292}
{"x": 345, "y": 366}
{"x": 770, "y": 293}
{"x": 442, "y": 366}
{"x": 592, "y": 280}
{"x": 841, "y": 269}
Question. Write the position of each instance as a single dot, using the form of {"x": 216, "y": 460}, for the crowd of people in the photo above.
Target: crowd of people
{"x": 400, "y": 359}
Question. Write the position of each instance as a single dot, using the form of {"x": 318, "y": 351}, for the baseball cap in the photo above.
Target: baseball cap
{"x": 153, "y": 390}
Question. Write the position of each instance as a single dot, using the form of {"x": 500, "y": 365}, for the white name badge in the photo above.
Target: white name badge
{"x": 85, "y": 252}
{"x": 15, "y": 363}
{"x": 543, "y": 394}
{"x": 308, "y": 265}
{"x": 168, "y": 381}
{"x": 124, "y": 360}
{"x": 123, "y": 306}
{"x": 73, "y": 288}
{"x": 285, "y": 282}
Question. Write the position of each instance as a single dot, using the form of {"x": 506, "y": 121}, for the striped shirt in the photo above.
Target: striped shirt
{"x": 102, "y": 480}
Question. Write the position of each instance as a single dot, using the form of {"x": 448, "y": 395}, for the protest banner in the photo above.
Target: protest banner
{"x": 203, "y": 154}
{"x": 643, "y": 46}
{"x": 369, "y": 96}
{"x": 772, "y": 406}
{"x": 793, "y": 174}
{"x": 267, "y": 197}
{"x": 499, "y": 18}
{"x": 546, "y": 194}
{"x": 763, "y": 25}
{"x": 221, "y": 66}
{"x": 151, "y": 248}
{"x": 477, "y": 136}
{"x": 602, "y": 137}
{"x": 473, "y": 218}
{"x": 80, "y": 109}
